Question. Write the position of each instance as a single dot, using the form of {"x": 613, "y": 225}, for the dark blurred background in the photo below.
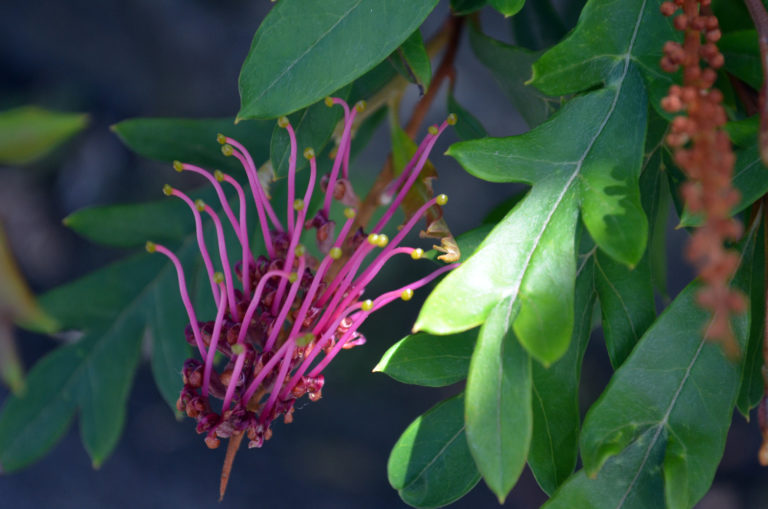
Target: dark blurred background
{"x": 120, "y": 59}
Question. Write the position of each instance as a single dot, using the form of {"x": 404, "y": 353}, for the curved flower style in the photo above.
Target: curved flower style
{"x": 288, "y": 307}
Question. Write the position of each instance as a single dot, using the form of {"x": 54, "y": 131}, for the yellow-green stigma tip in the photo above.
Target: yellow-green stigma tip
{"x": 227, "y": 150}
{"x": 167, "y": 190}
{"x": 300, "y": 250}
{"x": 417, "y": 253}
{"x": 406, "y": 294}
{"x": 432, "y": 130}
{"x": 178, "y": 166}
{"x": 150, "y": 246}
{"x": 329, "y": 101}
{"x": 309, "y": 153}
{"x": 200, "y": 205}
{"x": 298, "y": 204}
{"x": 238, "y": 349}
{"x": 305, "y": 339}
{"x": 283, "y": 122}
{"x": 335, "y": 253}
{"x": 442, "y": 199}
{"x": 293, "y": 277}
{"x": 360, "y": 106}
{"x": 367, "y": 305}
{"x": 382, "y": 241}
{"x": 221, "y": 139}
{"x": 218, "y": 175}
{"x": 373, "y": 239}
{"x": 218, "y": 277}
{"x": 452, "y": 119}
{"x": 349, "y": 213}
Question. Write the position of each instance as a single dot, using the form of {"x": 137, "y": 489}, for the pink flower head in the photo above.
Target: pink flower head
{"x": 281, "y": 318}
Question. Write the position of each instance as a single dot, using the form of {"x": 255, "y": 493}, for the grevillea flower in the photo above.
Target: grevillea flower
{"x": 281, "y": 318}
{"x": 703, "y": 151}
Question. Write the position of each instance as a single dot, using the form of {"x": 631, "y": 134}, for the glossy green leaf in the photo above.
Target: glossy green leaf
{"x": 743, "y": 133}
{"x": 662, "y": 391}
{"x": 411, "y": 61}
{"x": 626, "y": 304}
{"x": 433, "y": 361}
{"x": 468, "y": 127}
{"x": 742, "y": 56}
{"x": 304, "y": 50}
{"x": 313, "y": 125}
{"x": 29, "y": 133}
{"x": 595, "y": 50}
{"x": 498, "y": 411}
{"x": 555, "y": 439}
{"x": 538, "y": 25}
{"x": 750, "y": 178}
{"x": 507, "y": 7}
{"x": 527, "y": 257}
{"x": 430, "y": 465}
{"x": 193, "y": 140}
{"x": 462, "y": 7}
{"x": 511, "y": 67}
{"x": 500, "y": 211}
{"x": 616, "y": 487}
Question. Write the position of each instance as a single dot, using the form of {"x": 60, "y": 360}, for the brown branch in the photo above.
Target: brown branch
{"x": 760, "y": 18}
{"x": 452, "y": 31}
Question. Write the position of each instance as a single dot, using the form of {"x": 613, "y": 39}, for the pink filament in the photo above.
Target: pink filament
{"x": 278, "y": 323}
{"x": 230, "y": 288}
{"x": 214, "y": 343}
{"x": 344, "y": 145}
{"x": 291, "y": 176}
{"x": 244, "y": 241}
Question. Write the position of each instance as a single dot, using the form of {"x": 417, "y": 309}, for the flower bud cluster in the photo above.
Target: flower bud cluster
{"x": 703, "y": 152}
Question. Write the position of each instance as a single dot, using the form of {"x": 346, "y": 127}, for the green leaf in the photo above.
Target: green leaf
{"x": 538, "y": 26}
{"x": 304, "y": 50}
{"x": 750, "y": 178}
{"x": 743, "y": 133}
{"x": 507, "y": 7}
{"x": 498, "y": 410}
{"x": 615, "y": 487}
{"x": 411, "y": 60}
{"x": 430, "y": 465}
{"x": 591, "y": 53}
{"x": 626, "y": 303}
{"x": 29, "y": 133}
{"x": 463, "y": 7}
{"x": 527, "y": 257}
{"x": 751, "y": 387}
{"x": 133, "y": 224}
{"x": 665, "y": 390}
{"x": 432, "y": 361}
{"x": 313, "y": 125}
{"x": 499, "y": 212}
{"x": 468, "y": 127}
{"x": 193, "y": 140}
{"x": 742, "y": 56}
{"x": 511, "y": 67}
{"x": 555, "y": 439}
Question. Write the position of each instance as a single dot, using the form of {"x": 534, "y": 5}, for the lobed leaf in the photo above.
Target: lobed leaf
{"x": 304, "y": 50}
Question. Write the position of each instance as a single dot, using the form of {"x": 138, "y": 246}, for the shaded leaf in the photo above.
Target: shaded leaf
{"x": 498, "y": 403}
{"x": 462, "y": 7}
{"x": 555, "y": 439}
{"x": 511, "y": 67}
{"x": 467, "y": 126}
{"x": 304, "y": 50}
{"x": 430, "y": 465}
{"x": 742, "y": 56}
{"x": 193, "y": 140}
{"x": 29, "y": 133}
{"x": 538, "y": 26}
{"x": 411, "y": 61}
{"x": 433, "y": 361}
{"x": 743, "y": 133}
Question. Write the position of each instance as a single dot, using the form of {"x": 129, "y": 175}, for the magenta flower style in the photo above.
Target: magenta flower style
{"x": 288, "y": 315}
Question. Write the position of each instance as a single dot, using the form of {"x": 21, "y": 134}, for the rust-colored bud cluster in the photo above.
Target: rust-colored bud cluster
{"x": 703, "y": 152}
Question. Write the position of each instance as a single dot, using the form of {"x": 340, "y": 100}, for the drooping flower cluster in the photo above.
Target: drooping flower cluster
{"x": 288, "y": 314}
{"x": 703, "y": 151}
